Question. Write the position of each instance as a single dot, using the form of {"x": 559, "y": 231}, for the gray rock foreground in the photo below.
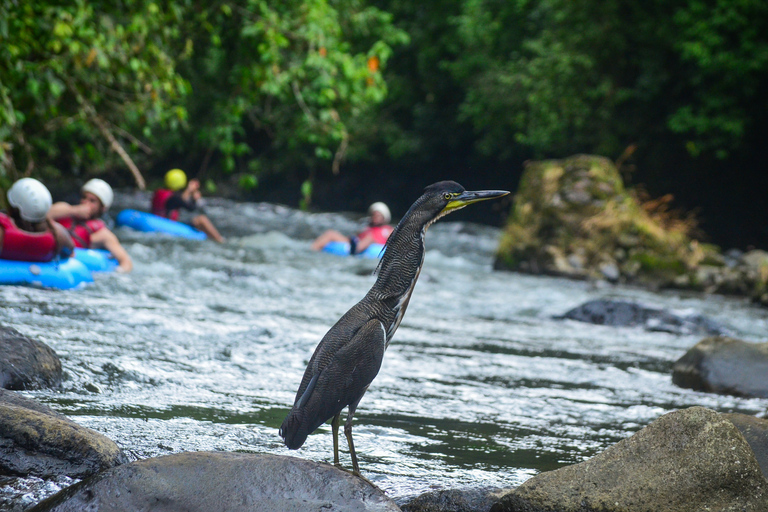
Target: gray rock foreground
{"x": 37, "y": 441}
{"x": 219, "y": 481}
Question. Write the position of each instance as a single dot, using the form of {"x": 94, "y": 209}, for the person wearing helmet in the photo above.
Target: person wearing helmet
{"x": 377, "y": 232}
{"x": 84, "y": 222}
{"x": 182, "y": 201}
{"x": 28, "y": 233}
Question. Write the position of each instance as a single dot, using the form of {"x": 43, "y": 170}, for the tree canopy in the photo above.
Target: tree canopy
{"x": 316, "y": 88}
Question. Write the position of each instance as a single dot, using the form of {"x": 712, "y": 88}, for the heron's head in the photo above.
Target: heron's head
{"x": 444, "y": 197}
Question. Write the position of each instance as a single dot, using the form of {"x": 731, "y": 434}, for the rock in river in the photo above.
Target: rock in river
{"x": 37, "y": 441}
{"x": 26, "y": 363}
{"x": 726, "y": 366}
{"x": 621, "y": 313}
{"x": 207, "y": 481}
{"x": 686, "y": 461}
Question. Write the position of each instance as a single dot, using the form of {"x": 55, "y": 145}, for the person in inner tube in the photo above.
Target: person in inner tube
{"x": 182, "y": 201}
{"x": 83, "y": 220}
{"x": 377, "y": 232}
{"x": 27, "y": 232}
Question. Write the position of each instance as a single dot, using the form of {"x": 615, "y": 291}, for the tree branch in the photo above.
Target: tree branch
{"x": 104, "y": 129}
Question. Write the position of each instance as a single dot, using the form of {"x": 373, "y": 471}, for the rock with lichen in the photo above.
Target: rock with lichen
{"x": 575, "y": 218}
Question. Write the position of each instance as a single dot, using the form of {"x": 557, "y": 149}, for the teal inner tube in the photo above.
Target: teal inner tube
{"x": 97, "y": 260}
{"x": 150, "y": 223}
{"x": 342, "y": 249}
{"x": 60, "y": 274}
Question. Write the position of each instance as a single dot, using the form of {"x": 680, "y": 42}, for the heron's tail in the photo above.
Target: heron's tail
{"x": 293, "y": 430}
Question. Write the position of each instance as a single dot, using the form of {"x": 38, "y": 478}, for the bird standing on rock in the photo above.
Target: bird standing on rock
{"x": 349, "y": 356}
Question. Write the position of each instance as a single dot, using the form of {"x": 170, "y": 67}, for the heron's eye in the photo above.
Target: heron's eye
{"x": 447, "y": 196}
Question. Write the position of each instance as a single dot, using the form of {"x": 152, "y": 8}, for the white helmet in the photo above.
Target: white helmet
{"x": 100, "y": 189}
{"x": 31, "y": 198}
{"x": 382, "y": 209}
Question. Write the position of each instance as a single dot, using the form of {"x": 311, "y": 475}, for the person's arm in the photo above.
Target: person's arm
{"x": 363, "y": 243}
{"x": 61, "y": 210}
{"x": 64, "y": 241}
{"x": 108, "y": 240}
{"x": 177, "y": 202}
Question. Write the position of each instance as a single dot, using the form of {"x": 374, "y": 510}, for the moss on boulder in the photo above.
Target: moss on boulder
{"x": 575, "y": 218}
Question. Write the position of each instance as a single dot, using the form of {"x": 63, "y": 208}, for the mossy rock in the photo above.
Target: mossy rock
{"x": 685, "y": 461}
{"x": 578, "y": 210}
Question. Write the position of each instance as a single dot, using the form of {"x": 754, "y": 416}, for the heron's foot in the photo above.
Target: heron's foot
{"x": 355, "y": 473}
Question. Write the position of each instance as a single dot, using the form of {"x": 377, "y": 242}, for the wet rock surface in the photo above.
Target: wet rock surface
{"x": 37, "y": 441}
{"x": 686, "y": 461}
{"x": 724, "y": 365}
{"x": 26, "y": 363}
{"x": 206, "y": 481}
{"x": 755, "y": 431}
{"x": 471, "y": 500}
{"x": 630, "y": 314}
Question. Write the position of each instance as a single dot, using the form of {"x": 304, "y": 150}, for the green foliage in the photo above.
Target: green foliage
{"x": 233, "y": 81}
{"x": 253, "y": 87}
{"x": 306, "y": 195}
{"x": 282, "y": 81}
{"x": 593, "y": 76}
{"x": 72, "y": 72}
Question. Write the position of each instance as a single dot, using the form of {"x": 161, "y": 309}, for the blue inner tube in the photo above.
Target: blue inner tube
{"x": 150, "y": 223}
{"x": 63, "y": 274}
{"x": 342, "y": 249}
{"x": 97, "y": 260}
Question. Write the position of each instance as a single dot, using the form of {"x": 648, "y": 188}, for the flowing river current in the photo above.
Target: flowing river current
{"x": 203, "y": 346}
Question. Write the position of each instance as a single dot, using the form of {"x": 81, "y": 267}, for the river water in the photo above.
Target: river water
{"x": 203, "y": 346}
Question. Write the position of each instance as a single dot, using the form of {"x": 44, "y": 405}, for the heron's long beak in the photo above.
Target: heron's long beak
{"x": 468, "y": 197}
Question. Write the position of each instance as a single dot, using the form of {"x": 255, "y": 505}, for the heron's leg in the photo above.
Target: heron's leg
{"x": 348, "y": 434}
{"x": 335, "y": 428}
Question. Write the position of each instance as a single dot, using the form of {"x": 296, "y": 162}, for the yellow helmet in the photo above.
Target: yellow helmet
{"x": 175, "y": 179}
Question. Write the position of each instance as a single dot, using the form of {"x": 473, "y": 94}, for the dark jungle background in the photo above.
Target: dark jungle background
{"x": 333, "y": 104}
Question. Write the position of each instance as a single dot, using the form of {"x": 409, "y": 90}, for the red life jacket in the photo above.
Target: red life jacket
{"x": 21, "y": 245}
{"x": 81, "y": 230}
{"x": 161, "y": 196}
{"x": 379, "y": 233}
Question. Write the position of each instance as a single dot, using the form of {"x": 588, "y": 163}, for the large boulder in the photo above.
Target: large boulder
{"x": 235, "y": 482}
{"x": 37, "y": 441}
{"x": 686, "y": 461}
{"x": 724, "y": 365}
{"x": 620, "y": 313}
{"x": 26, "y": 363}
{"x": 574, "y": 218}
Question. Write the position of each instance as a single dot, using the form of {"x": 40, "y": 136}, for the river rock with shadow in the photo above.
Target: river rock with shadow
{"x": 724, "y": 365}
{"x": 36, "y": 440}
{"x": 619, "y": 313}
{"x": 26, "y": 363}
{"x": 686, "y": 461}
{"x": 208, "y": 481}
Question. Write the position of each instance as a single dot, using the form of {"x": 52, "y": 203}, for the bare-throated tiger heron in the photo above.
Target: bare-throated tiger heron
{"x": 349, "y": 356}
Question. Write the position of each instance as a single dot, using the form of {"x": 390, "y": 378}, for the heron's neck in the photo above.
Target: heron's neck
{"x": 402, "y": 261}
